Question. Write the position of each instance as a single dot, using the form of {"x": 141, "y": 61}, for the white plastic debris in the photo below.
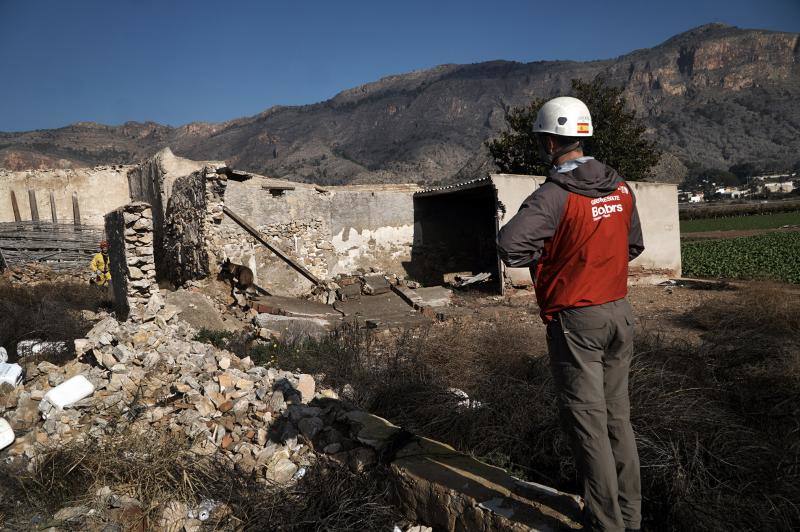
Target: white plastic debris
{"x": 203, "y": 511}
{"x": 6, "y": 434}
{"x": 300, "y": 473}
{"x": 10, "y": 373}
{"x": 3, "y": 354}
{"x": 68, "y": 392}
{"x": 465, "y": 401}
{"x": 34, "y": 347}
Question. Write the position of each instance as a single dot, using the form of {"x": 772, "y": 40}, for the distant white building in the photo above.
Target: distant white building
{"x": 782, "y": 187}
{"x": 731, "y": 192}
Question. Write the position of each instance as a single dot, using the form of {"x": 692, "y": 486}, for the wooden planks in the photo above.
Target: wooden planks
{"x": 59, "y": 246}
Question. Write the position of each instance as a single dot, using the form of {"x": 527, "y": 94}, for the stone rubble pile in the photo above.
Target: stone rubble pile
{"x": 155, "y": 375}
{"x": 34, "y": 273}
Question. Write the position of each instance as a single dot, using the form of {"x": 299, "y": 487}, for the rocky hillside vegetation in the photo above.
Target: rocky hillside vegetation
{"x": 716, "y": 95}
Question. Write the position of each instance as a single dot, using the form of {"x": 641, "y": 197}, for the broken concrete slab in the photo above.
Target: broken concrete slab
{"x": 372, "y": 430}
{"x": 287, "y": 327}
{"x": 449, "y": 490}
{"x": 427, "y": 297}
{"x": 385, "y": 311}
{"x": 431, "y": 301}
{"x": 439, "y": 486}
{"x": 298, "y": 308}
{"x": 376, "y": 284}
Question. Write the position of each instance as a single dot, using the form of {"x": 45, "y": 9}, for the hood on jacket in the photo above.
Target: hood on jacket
{"x": 585, "y": 176}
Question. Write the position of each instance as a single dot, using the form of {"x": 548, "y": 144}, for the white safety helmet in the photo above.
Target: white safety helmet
{"x": 564, "y": 116}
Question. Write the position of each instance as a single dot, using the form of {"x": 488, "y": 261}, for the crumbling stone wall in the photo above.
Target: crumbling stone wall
{"x": 305, "y": 240}
{"x": 193, "y": 208}
{"x": 129, "y": 230}
{"x": 164, "y": 181}
{"x": 329, "y": 231}
{"x": 184, "y": 230}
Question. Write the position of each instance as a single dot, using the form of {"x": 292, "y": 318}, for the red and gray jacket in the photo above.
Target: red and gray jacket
{"x": 577, "y": 233}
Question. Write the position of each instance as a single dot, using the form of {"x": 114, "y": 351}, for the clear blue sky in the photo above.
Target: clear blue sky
{"x": 174, "y": 62}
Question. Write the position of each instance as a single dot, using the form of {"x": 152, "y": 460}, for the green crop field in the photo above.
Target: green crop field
{"x": 773, "y": 256}
{"x": 755, "y": 221}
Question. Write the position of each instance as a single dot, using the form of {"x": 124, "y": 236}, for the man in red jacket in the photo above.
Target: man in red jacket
{"x": 577, "y": 233}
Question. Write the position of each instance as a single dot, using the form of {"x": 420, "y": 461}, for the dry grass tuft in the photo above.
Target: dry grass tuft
{"x": 156, "y": 468}
{"x": 45, "y": 311}
{"x": 717, "y": 425}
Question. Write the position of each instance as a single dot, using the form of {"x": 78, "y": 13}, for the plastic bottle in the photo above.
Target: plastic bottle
{"x": 6, "y": 434}
{"x": 10, "y": 373}
{"x": 68, "y": 392}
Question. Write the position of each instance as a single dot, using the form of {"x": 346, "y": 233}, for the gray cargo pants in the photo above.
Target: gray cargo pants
{"x": 590, "y": 355}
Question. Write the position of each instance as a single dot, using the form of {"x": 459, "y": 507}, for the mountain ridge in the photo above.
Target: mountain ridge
{"x": 715, "y": 95}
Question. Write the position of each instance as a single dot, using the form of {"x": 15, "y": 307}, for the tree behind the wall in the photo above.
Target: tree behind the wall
{"x": 618, "y": 139}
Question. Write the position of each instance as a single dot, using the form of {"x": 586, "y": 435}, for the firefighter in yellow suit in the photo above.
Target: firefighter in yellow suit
{"x": 101, "y": 274}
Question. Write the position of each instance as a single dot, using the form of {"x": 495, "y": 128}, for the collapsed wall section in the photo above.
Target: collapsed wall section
{"x": 129, "y": 230}
{"x": 328, "y": 231}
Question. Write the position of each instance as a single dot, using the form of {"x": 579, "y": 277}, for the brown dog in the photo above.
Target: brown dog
{"x": 241, "y": 277}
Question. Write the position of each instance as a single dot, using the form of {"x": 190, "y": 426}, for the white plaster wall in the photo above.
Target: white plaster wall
{"x": 512, "y": 190}
{"x": 657, "y": 204}
{"x": 658, "y": 210}
{"x": 354, "y": 248}
{"x": 100, "y": 190}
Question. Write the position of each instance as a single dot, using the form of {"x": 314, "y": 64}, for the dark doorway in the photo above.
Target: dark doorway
{"x": 454, "y": 232}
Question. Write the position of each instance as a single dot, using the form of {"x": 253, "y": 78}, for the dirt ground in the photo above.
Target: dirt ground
{"x": 658, "y": 309}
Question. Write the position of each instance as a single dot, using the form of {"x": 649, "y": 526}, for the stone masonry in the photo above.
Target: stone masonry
{"x": 193, "y": 209}
{"x": 133, "y": 273}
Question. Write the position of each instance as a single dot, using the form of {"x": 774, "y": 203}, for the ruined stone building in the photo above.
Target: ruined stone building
{"x": 428, "y": 235}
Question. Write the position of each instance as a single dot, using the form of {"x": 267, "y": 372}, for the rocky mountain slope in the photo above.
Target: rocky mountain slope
{"x": 716, "y": 95}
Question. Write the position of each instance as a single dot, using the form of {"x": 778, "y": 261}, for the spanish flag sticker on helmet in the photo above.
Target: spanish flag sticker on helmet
{"x": 583, "y": 128}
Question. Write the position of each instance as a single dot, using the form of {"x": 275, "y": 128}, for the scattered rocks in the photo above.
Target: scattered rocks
{"x": 155, "y": 374}
{"x": 375, "y": 284}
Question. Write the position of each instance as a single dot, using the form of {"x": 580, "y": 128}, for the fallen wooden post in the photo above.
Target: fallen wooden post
{"x": 17, "y": 217}
{"x": 255, "y": 234}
